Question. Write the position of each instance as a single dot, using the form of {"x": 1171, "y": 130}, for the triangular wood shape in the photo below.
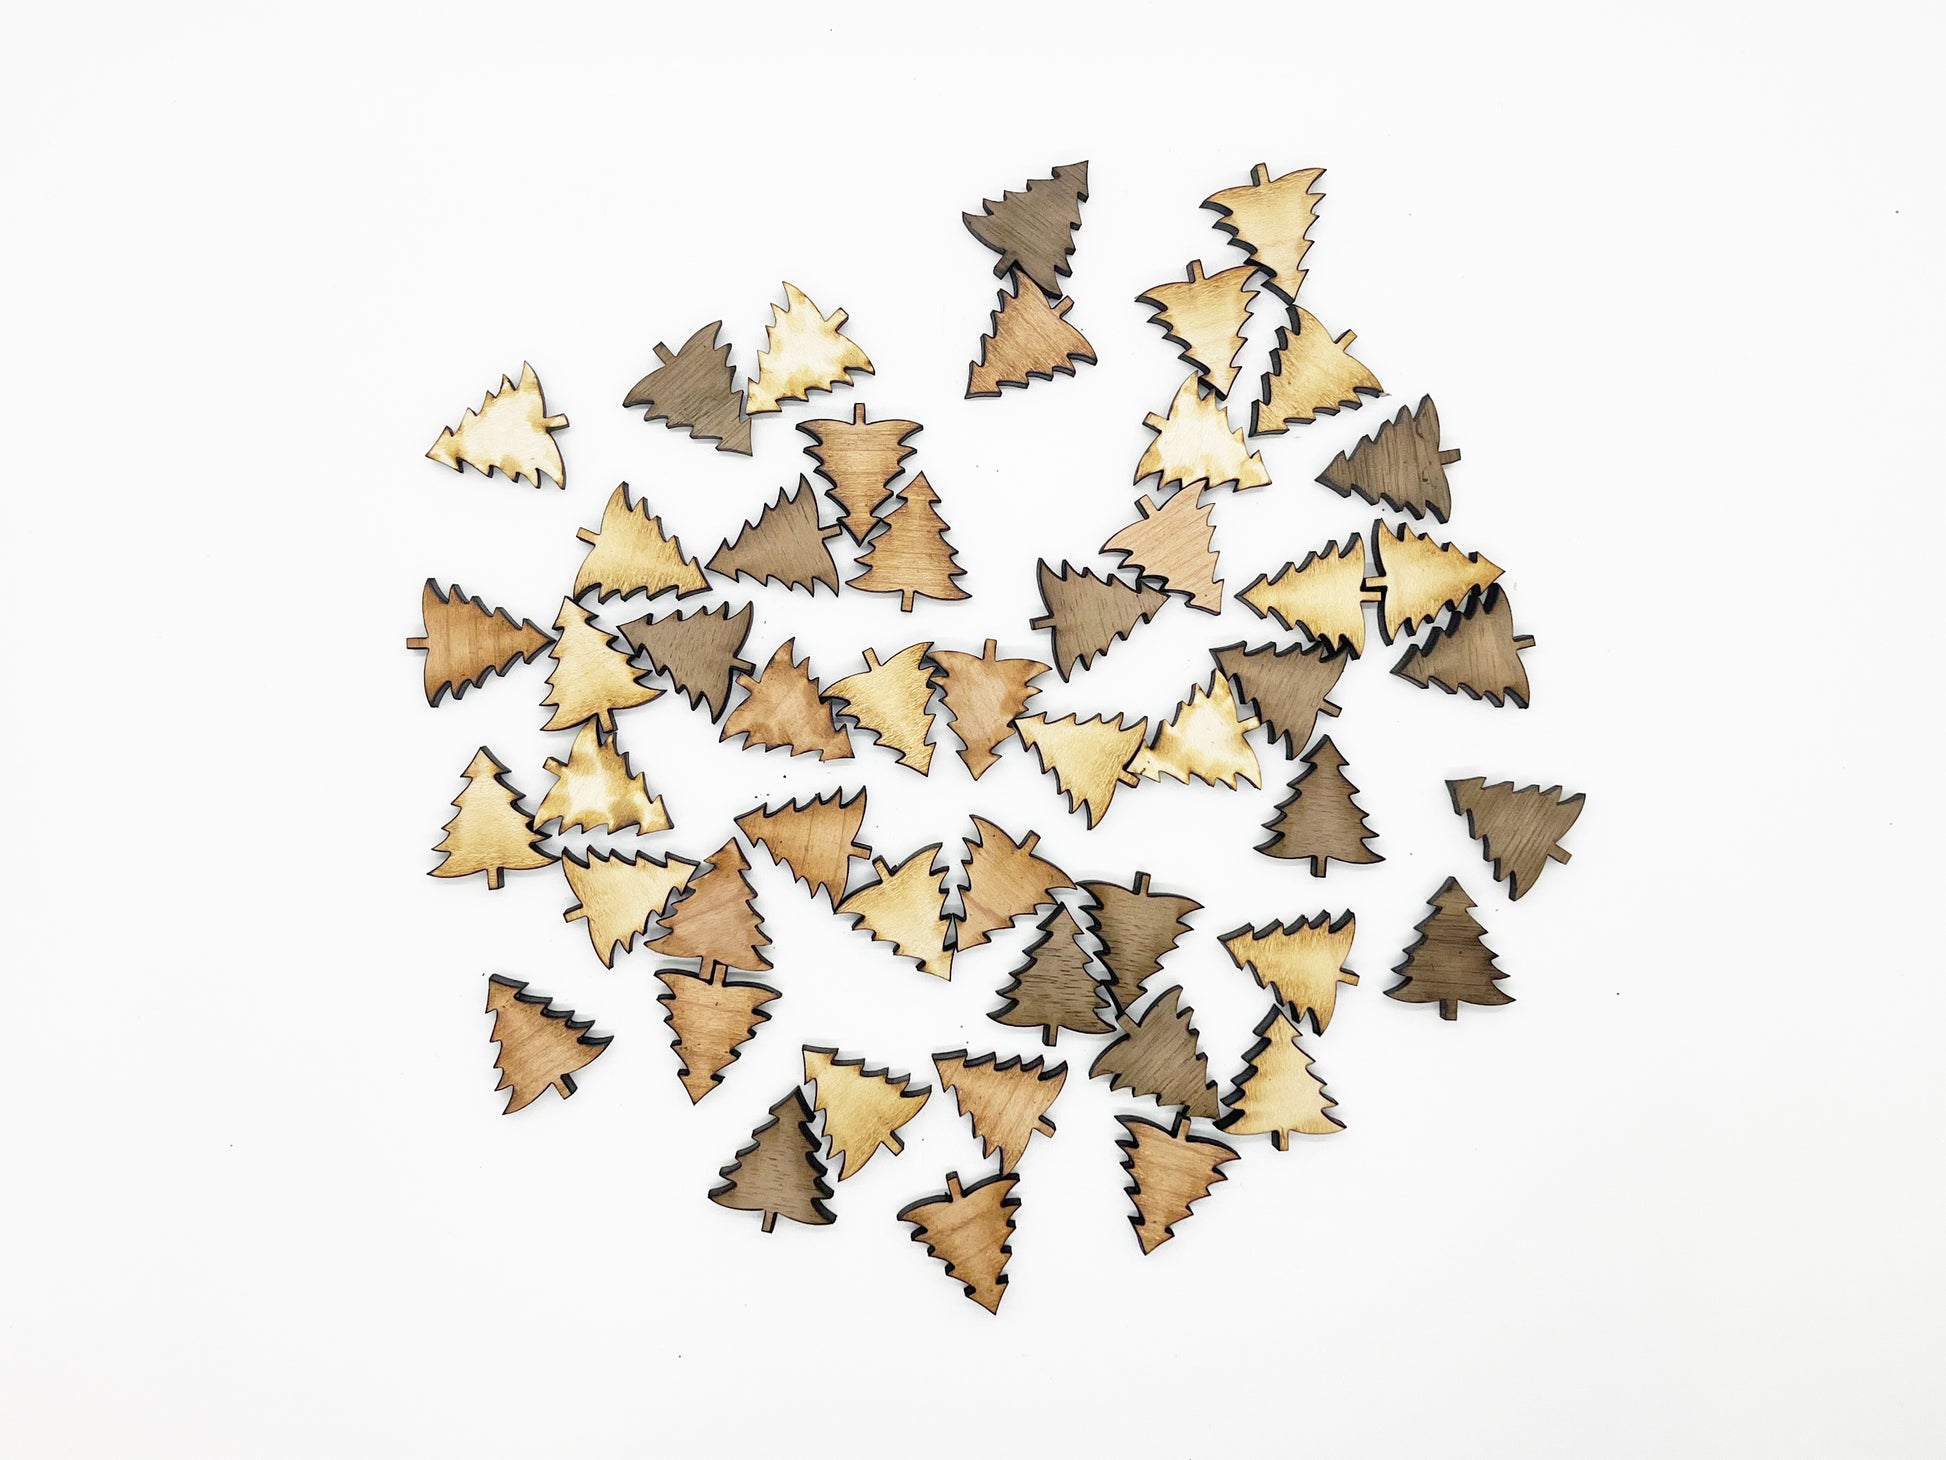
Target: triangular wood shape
{"x": 701, "y": 651}
{"x": 1087, "y": 758}
{"x": 1270, "y": 219}
{"x": 1311, "y": 375}
{"x": 540, "y": 1046}
{"x": 863, "y": 1109}
{"x": 1202, "y": 741}
{"x": 510, "y": 433}
{"x": 618, "y": 896}
{"x": 695, "y": 390}
{"x": 1055, "y": 988}
{"x": 1475, "y": 652}
{"x": 595, "y": 789}
{"x": 1028, "y": 340}
{"x": 1033, "y": 230}
{"x": 718, "y": 923}
{"x": 1401, "y": 466}
{"x": 591, "y": 677}
{"x": 1449, "y": 964}
{"x": 967, "y": 1229}
{"x": 906, "y": 907}
{"x": 1519, "y": 831}
{"x": 1325, "y": 595}
{"x": 712, "y": 1016}
{"x": 816, "y": 838}
{"x": 1170, "y": 1168}
{"x": 1006, "y": 1101}
{"x": 1195, "y": 442}
{"x": 1278, "y": 1092}
{"x": 807, "y": 350}
{"x": 1205, "y": 316}
{"x": 784, "y": 707}
{"x": 985, "y": 694}
{"x": 1136, "y": 927}
{"x": 1288, "y": 688}
{"x": 1319, "y": 821}
{"x": 1301, "y": 962}
{"x": 490, "y": 834}
{"x": 1156, "y": 1054}
{"x": 1004, "y": 881}
{"x": 860, "y": 459}
{"x": 465, "y": 641}
{"x": 1175, "y": 543}
{"x": 890, "y": 699}
{"x": 1086, "y": 613}
{"x": 910, "y": 555}
{"x": 786, "y": 544}
{"x": 781, "y": 1172}
{"x": 629, "y": 553}
{"x": 1418, "y": 578}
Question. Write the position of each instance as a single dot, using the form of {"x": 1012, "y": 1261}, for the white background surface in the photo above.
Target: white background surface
{"x": 1671, "y": 275}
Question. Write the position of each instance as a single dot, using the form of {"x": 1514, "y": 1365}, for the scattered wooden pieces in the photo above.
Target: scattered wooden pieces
{"x": 1476, "y": 651}
{"x": 1086, "y": 613}
{"x": 1136, "y": 928}
{"x": 630, "y": 554}
{"x": 1288, "y": 688}
{"x": 816, "y": 839}
{"x": 1449, "y": 964}
{"x": 1325, "y": 595}
{"x": 1301, "y": 962}
{"x": 695, "y": 390}
{"x": 1311, "y": 375}
{"x": 1270, "y": 219}
{"x": 1417, "y": 578}
{"x": 1401, "y": 466}
{"x": 1205, "y": 316}
{"x": 1173, "y": 542}
{"x": 890, "y": 699}
{"x": 1087, "y": 758}
{"x": 1195, "y": 442}
{"x": 1319, "y": 820}
{"x": 1004, "y": 881}
{"x": 1028, "y": 340}
{"x": 1278, "y": 1091}
{"x": 1033, "y": 230}
{"x": 1203, "y": 740}
{"x": 511, "y": 433}
{"x": 786, "y": 544}
{"x": 591, "y": 677}
{"x": 906, "y": 907}
{"x": 718, "y": 923}
{"x": 780, "y": 1173}
{"x": 712, "y": 1016}
{"x": 1157, "y": 1054}
{"x": 985, "y": 693}
{"x": 1519, "y": 831}
{"x": 861, "y": 459}
{"x": 596, "y": 789}
{"x": 1170, "y": 1168}
{"x": 1055, "y": 988}
{"x": 465, "y": 641}
{"x": 806, "y": 351}
{"x": 540, "y": 1046}
{"x": 910, "y": 556}
{"x": 491, "y": 834}
{"x": 784, "y": 707}
{"x": 863, "y": 1109}
{"x": 1007, "y": 1101}
{"x": 618, "y": 896}
{"x": 967, "y": 1229}
{"x": 701, "y": 651}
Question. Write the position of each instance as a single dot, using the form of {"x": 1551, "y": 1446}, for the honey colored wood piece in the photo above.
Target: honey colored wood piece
{"x": 1270, "y": 219}
{"x": 1033, "y": 230}
{"x": 786, "y": 544}
{"x": 1311, "y": 375}
{"x": 780, "y": 1173}
{"x": 1203, "y": 741}
{"x": 540, "y": 1046}
{"x": 1401, "y": 466}
{"x": 595, "y": 789}
{"x": 629, "y": 553}
{"x": 1170, "y": 1168}
{"x": 985, "y": 694}
{"x": 465, "y": 641}
{"x": 860, "y": 459}
{"x": 1004, "y": 881}
{"x": 1136, "y": 927}
{"x": 1086, "y": 614}
{"x": 1055, "y": 988}
{"x": 1449, "y": 964}
{"x": 1278, "y": 1092}
{"x": 490, "y": 833}
{"x": 1418, "y": 578}
{"x": 718, "y": 923}
{"x": 816, "y": 838}
{"x": 712, "y": 1016}
{"x": 1195, "y": 442}
{"x": 1319, "y": 821}
{"x": 1325, "y": 595}
{"x": 863, "y": 1109}
{"x": 1288, "y": 688}
{"x": 807, "y": 350}
{"x": 1519, "y": 831}
{"x": 701, "y": 651}
{"x": 1301, "y": 962}
{"x": 695, "y": 390}
{"x": 1087, "y": 758}
{"x": 1205, "y": 317}
{"x": 967, "y": 1229}
{"x": 910, "y": 556}
{"x": 1174, "y": 542}
{"x": 1006, "y": 1101}
{"x": 592, "y": 677}
{"x": 1157, "y": 1055}
{"x": 1028, "y": 340}
{"x": 784, "y": 707}
{"x": 906, "y": 907}
{"x": 890, "y": 700}
{"x": 510, "y": 433}
{"x": 619, "y": 896}
{"x": 1475, "y": 652}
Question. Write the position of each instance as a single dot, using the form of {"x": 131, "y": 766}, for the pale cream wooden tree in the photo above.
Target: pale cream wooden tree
{"x": 1205, "y": 316}
{"x": 591, "y": 678}
{"x": 1195, "y": 442}
{"x": 889, "y": 699}
{"x": 1087, "y": 758}
{"x": 491, "y": 834}
{"x": 629, "y": 553}
{"x": 595, "y": 788}
{"x": 618, "y": 896}
{"x": 863, "y": 1109}
{"x": 1270, "y": 219}
{"x": 906, "y": 907}
{"x": 1311, "y": 374}
{"x": 1301, "y": 962}
{"x": 509, "y": 433}
{"x": 1278, "y": 1092}
{"x": 1419, "y": 578}
{"x": 1325, "y": 595}
{"x": 807, "y": 350}
{"x": 1203, "y": 740}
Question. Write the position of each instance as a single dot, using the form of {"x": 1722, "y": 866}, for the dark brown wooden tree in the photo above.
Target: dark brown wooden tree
{"x": 781, "y": 1172}
{"x": 465, "y": 641}
{"x": 1136, "y": 928}
{"x": 701, "y": 651}
{"x": 1399, "y": 466}
{"x": 718, "y": 923}
{"x": 1169, "y": 1168}
{"x": 1288, "y": 688}
{"x": 1157, "y": 1054}
{"x": 910, "y": 556}
{"x": 967, "y": 1229}
{"x": 1450, "y": 963}
{"x": 1086, "y": 613}
{"x": 861, "y": 459}
{"x": 1055, "y": 988}
{"x": 695, "y": 390}
{"x": 1519, "y": 831}
{"x": 1475, "y": 652}
{"x": 786, "y": 544}
{"x": 1033, "y": 230}
{"x": 1319, "y": 821}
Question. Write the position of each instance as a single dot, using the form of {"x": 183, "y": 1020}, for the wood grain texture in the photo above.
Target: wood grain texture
{"x": 985, "y": 693}
{"x": 1288, "y": 688}
{"x": 591, "y": 677}
{"x": 1004, "y": 881}
{"x": 1203, "y": 741}
{"x": 1474, "y": 652}
{"x": 618, "y": 896}
{"x": 1176, "y": 544}
{"x": 863, "y": 1109}
{"x": 1195, "y": 442}
{"x": 1418, "y": 578}
{"x": 701, "y": 651}
{"x": 786, "y": 544}
{"x": 1449, "y": 964}
{"x": 711, "y": 1016}
{"x": 1033, "y": 229}
{"x": 906, "y": 907}
{"x": 910, "y": 556}
{"x": 695, "y": 390}
{"x": 1270, "y": 219}
{"x": 1087, "y": 758}
{"x": 629, "y": 553}
{"x": 464, "y": 641}
{"x": 1401, "y": 466}
{"x": 489, "y": 833}
{"x": 596, "y": 788}
{"x": 510, "y": 433}
{"x": 1028, "y": 340}
{"x": 1055, "y": 988}
{"x": 1311, "y": 375}
{"x": 967, "y": 1229}
{"x": 860, "y": 459}
{"x": 718, "y": 923}
{"x": 807, "y": 350}
{"x": 1205, "y": 318}
{"x": 1157, "y": 1055}
{"x": 540, "y": 1046}
{"x": 1170, "y": 1168}
{"x": 1519, "y": 831}
{"x": 1301, "y": 962}
{"x": 816, "y": 838}
{"x": 1325, "y": 595}
{"x": 1086, "y": 614}
{"x": 1136, "y": 928}
{"x": 1279, "y": 1093}
{"x": 1006, "y": 1101}
{"x": 784, "y": 707}
{"x": 781, "y": 1172}
{"x": 1319, "y": 821}
{"x": 889, "y": 699}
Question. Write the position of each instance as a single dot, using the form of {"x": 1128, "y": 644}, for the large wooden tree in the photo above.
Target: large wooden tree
{"x": 1450, "y": 963}
{"x": 1055, "y": 988}
{"x": 781, "y": 1172}
{"x": 1319, "y": 821}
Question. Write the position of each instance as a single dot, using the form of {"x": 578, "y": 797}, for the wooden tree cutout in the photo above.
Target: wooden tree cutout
{"x": 1170, "y": 1168}
{"x": 1270, "y": 219}
{"x": 1288, "y": 688}
{"x": 1205, "y": 318}
{"x": 592, "y": 677}
{"x": 1136, "y": 928}
{"x": 861, "y": 459}
{"x": 1311, "y": 375}
{"x": 863, "y": 1109}
{"x": 785, "y": 708}
{"x": 890, "y": 699}
{"x": 1195, "y": 442}
{"x": 695, "y": 390}
{"x": 596, "y": 789}
{"x": 906, "y": 907}
{"x": 1203, "y": 741}
{"x": 1086, "y": 614}
{"x": 1087, "y": 758}
{"x": 540, "y": 1046}
{"x": 1519, "y": 831}
{"x": 1055, "y": 988}
{"x": 1278, "y": 1091}
{"x": 701, "y": 651}
{"x": 1418, "y": 578}
{"x": 1325, "y": 595}
{"x": 967, "y": 1229}
{"x": 1006, "y": 1101}
{"x": 786, "y": 544}
{"x": 1401, "y": 466}
{"x": 780, "y": 1172}
{"x": 630, "y": 554}
{"x": 718, "y": 923}
{"x": 910, "y": 556}
{"x": 1319, "y": 821}
{"x": 1004, "y": 881}
{"x": 1173, "y": 542}
{"x": 1028, "y": 340}
{"x": 491, "y": 834}
{"x": 807, "y": 350}
{"x": 816, "y": 839}
{"x": 465, "y": 641}
{"x": 1033, "y": 230}
{"x": 1301, "y": 962}
{"x": 712, "y": 1017}
{"x": 985, "y": 694}
{"x": 1157, "y": 1054}
{"x": 619, "y": 896}
{"x": 1476, "y": 652}
{"x": 511, "y": 433}
{"x": 1449, "y": 964}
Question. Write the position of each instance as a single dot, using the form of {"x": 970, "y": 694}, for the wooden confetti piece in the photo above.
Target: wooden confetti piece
{"x": 1136, "y": 927}
{"x": 510, "y": 433}
{"x": 1086, "y": 613}
{"x": 1325, "y": 595}
{"x": 629, "y": 553}
{"x": 1158, "y": 1055}
{"x": 1174, "y": 543}
{"x": 1319, "y": 821}
{"x": 967, "y": 1229}
{"x": 860, "y": 459}
{"x": 1311, "y": 375}
{"x": 1401, "y": 466}
{"x": 906, "y": 907}
{"x": 1004, "y": 881}
{"x": 1288, "y": 688}
{"x": 816, "y": 838}
{"x": 1475, "y": 652}
{"x": 695, "y": 390}
{"x": 595, "y": 788}
{"x": 784, "y": 707}
{"x": 1301, "y": 962}
{"x": 1170, "y": 1168}
{"x": 910, "y": 556}
{"x": 807, "y": 350}
{"x": 1205, "y": 317}
{"x": 1270, "y": 219}
{"x": 1519, "y": 831}
{"x": 718, "y": 924}
{"x": 1054, "y": 988}
{"x": 712, "y": 1016}
{"x": 1033, "y": 230}
{"x": 1449, "y": 964}
{"x": 786, "y": 544}
{"x": 985, "y": 693}
{"x": 540, "y": 1046}
{"x": 465, "y": 641}
{"x": 1006, "y": 1101}
{"x": 1028, "y": 340}
{"x": 1418, "y": 578}
{"x": 781, "y": 1172}
{"x": 1279, "y": 1092}
{"x": 618, "y": 896}
{"x": 1195, "y": 442}
{"x": 1202, "y": 741}
{"x": 490, "y": 833}
{"x": 863, "y": 1109}
{"x": 890, "y": 699}
{"x": 592, "y": 677}
{"x": 701, "y": 651}
{"x": 1087, "y": 758}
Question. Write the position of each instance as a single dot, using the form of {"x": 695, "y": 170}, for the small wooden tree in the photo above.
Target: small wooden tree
{"x": 1278, "y": 1091}
{"x": 1087, "y": 758}
{"x": 1028, "y": 340}
{"x": 596, "y": 788}
{"x": 786, "y": 544}
{"x": 701, "y": 651}
{"x": 540, "y": 1046}
{"x": 889, "y": 699}
{"x": 1055, "y": 988}
{"x": 1136, "y": 928}
{"x": 1401, "y": 466}
{"x": 1325, "y": 595}
{"x": 1301, "y": 962}
{"x": 863, "y": 1109}
{"x": 1087, "y": 613}
{"x": 1033, "y": 230}
{"x": 1170, "y": 1168}
{"x": 1476, "y": 652}
{"x": 906, "y": 907}
{"x": 861, "y": 459}
{"x": 1319, "y": 820}
{"x": 1203, "y": 740}
{"x": 1158, "y": 1055}
{"x": 967, "y": 1229}
{"x": 465, "y": 641}
{"x": 1004, "y": 881}
{"x": 491, "y": 834}
{"x": 1417, "y": 579}
{"x": 1450, "y": 963}
{"x": 1289, "y": 688}
{"x": 1006, "y": 1101}
{"x": 1174, "y": 543}
{"x": 1519, "y": 831}
{"x": 712, "y": 1016}
{"x": 1311, "y": 375}
{"x": 695, "y": 390}
{"x": 816, "y": 839}
{"x": 618, "y": 896}
{"x": 511, "y": 433}
{"x": 631, "y": 554}
{"x": 1195, "y": 442}
{"x": 806, "y": 350}
{"x": 718, "y": 923}
{"x": 1270, "y": 219}
{"x": 784, "y": 707}
{"x": 1205, "y": 316}
{"x": 910, "y": 556}
{"x": 592, "y": 677}
{"x": 985, "y": 693}
{"x": 780, "y": 1173}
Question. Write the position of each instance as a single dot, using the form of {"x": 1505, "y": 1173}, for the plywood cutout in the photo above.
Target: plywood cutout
{"x": 1174, "y": 543}
{"x": 1158, "y": 1055}
{"x": 1170, "y": 1168}
{"x": 1475, "y": 652}
{"x": 815, "y": 838}
{"x": 1418, "y": 578}
{"x": 1203, "y": 741}
{"x": 1279, "y": 1093}
{"x": 465, "y": 641}
{"x": 863, "y": 1109}
{"x": 629, "y": 553}
{"x": 985, "y": 693}
{"x": 1195, "y": 442}
{"x": 967, "y": 1229}
{"x": 910, "y": 556}
{"x": 906, "y": 907}
{"x": 1519, "y": 831}
{"x": 618, "y": 896}
{"x": 1319, "y": 821}
{"x": 1288, "y": 688}
{"x": 510, "y": 433}
{"x": 1086, "y": 613}
{"x": 1401, "y": 466}
{"x": 861, "y": 459}
{"x": 1033, "y": 230}
{"x": 595, "y": 788}
{"x": 1325, "y": 595}
{"x": 786, "y": 544}
{"x": 1301, "y": 962}
{"x": 890, "y": 699}
{"x": 1136, "y": 927}
{"x": 781, "y": 1172}
{"x": 784, "y": 707}
{"x": 807, "y": 350}
{"x": 695, "y": 390}
{"x": 1270, "y": 219}
{"x": 490, "y": 833}
{"x": 712, "y": 1017}
{"x": 1449, "y": 964}
{"x": 1205, "y": 317}
{"x": 592, "y": 677}
{"x": 718, "y": 924}
{"x": 1006, "y": 1101}
{"x": 701, "y": 651}
{"x": 1028, "y": 340}
{"x": 1004, "y": 881}
{"x": 1055, "y": 988}
{"x": 540, "y": 1046}
{"x": 1311, "y": 375}
{"x": 1087, "y": 758}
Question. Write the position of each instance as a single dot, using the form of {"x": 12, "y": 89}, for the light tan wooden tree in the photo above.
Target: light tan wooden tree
{"x": 511, "y": 433}
{"x": 784, "y": 707}
{"x": 540, "y": 1046}
{"x": 1195, "y": 442}
{"x": 1028, "y": 340}
{"x": 807, "y": 350}
{"x": 712, "y": 1016}
{"x": 890, "y": 699}
{"x": 910, "y": 555}
{"x": 718, "y": 923}
{"x": 1175, "y": 543}
{"x": 491, "y": 834}
{"x": 1205, "y": 316}
{"x": 1301, "y": 962}
{"x": 816, "y": 839}
{"x": 618, "y": 896}
{"x": 780, "y": 1173}
{"x": 465, "y": 641}
{"x": 1519, "y": 831}
{"x": 592, "y": 677}
{"x": 906, "y": 907}
{"x": 985, "y": 694}
{"x": 863, "y": 1109}
{"x": 1004, "y": 881}
{"x": 967, "y": 1229}
{"x": 595, "y": 788}
{"x": 1270, "y": 219}
{"x": 1087, "y": 758}
{"x": 1311, "y": 375}
{"x": 629, "y": 553}
{"x": 1006, "y": 1101}
{"x": 1203, "y": 741}
{"x": 1325, "y": 595}
{"x": 861, "y": 459}
{"x": 1417, "y": 578}
{"x": 1278, "y": 1092}
{"x": 1170, "y": 1168}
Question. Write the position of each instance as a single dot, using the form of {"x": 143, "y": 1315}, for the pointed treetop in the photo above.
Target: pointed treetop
{"x": 780, "y": 1173}
{"x": 786, "y": 544}
{"x": 784, "y": 707}
{"x": 1087, "y": 613}
{"x": 1519, "y": 831}
{"x": 1055, "y": 988}
{"x": 1033, "y": 230}
{"x": 1007, "y": 1101}
{"x": 1270, "y": 219}
{"x": 1288, "y": 688}
{"x": 1136, "y": 928}
{"x": 1195, "y": 442}
{"x": 465, "y": 641}
{"x": 889, "y": 699}
{"x": 718, "y": 923}
{"x": 906, "y": 907}
{"x": 967, "y": 1229}
{"x": 1157, "y": 1054}
{"x": 863, "y": 1109}
{"x": 1028, "y": 340}
{"x": 910, "y": 555}
{"x": 701, "y": 651}
{"x": 595, "y": 788}
{"x": 1476, "y": 651}
{"x": 1311, "y": 375}
{"x": 695, "y": 390}
{"x": 1401, "y": 466}
{"x": 1325, "y": 595}
{"x": 1278, "y": 1091}
{"x": 540, "y": 1046}
{"x": 1205, "y": 317}
{"x": 491, "y": 834}
{"x": 712, "y": 1017}
{"x": 1301, "y": 962}
{"x": 510, "y": 433}
{"x": 1087, "y": 758}
{"x": 630, "y": 553}
{"x": 861, "y": 459}
{"x": 807, "y": 351}
{"x": 1204, "y": 741}
{"x": 592, "y": 677}
{"x": 1175, "y": 543}
{"x": 618, "y": 896}
{"x": 1004, "y": 881}
{"x": 1417, "y": 578}
{"x": 1450, "y": 963}
{"x": 816, "y": 839}
{"x": 1170, "y": 1168}
{"x": 1319, "y": 821}
{"x": 985, "y": 694}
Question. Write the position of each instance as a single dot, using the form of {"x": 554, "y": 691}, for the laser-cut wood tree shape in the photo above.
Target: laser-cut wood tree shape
{"x": 780, "y": 1173}
{"x": 1205, "y": 316}
{"x": 701, "y": 651}
{"x": 695, "y": 390}
{"x": 1278, "y": 1092}
{"x": 491, "y": 834}
{"x": 1203, "y": 740}
{"x": 1401, "y": 466}
{"x": 1449, "y": 964}
{"x": 1033, "y": 230}
{"x": 1055, "y": 988}
{"x": 592, "y": 677}
{"x": 1136, "y": 928}
{"x": 1270, "y": 219}
{"x": 1311, "y": 375}
{"x": 629, "y": 553}
{"x": 889, "y": 699}
{"x": 1006, "y": 1101}
{"x": 906, "y": 907}
{"x": 618, "y": 896}
{"x": 910, "y": 556}
{"x": 860, "y": 459}
{"x": 510, "y": 433}
{"x": 784, "y": 707}
{"x": 1086, "y": 614}
{"x": 1288, "y": 688}
{"x": 816, "y": 838}
{"x": 985, "y": 693}
{"x": 712, "y": 1016}
{"x": 465, "y": 641}
{"x": 540, "y": 1046}
{"x": 1417, "y": 578}
{"x": 863, "y": 1109}
{"x": 1004, "y": 881}
{"x": 596, "y": 789}
{"x": 1319, "y": 821}
{"x": 1170, "y": 1168}
{"x": 967, "y": 1229}
{"x": 718, "y": 923}
{"x": 1028, "y": 340}
{"x": 1325, "y": 595}
{"x": 1195, "y": 442}
{"x": 1301, "y": 962}
{"x": 1475, "y": 652}
{"x": 1157, "y": 1054}
{"x": 1519, "y": 831}
{"x": 807, "y": 350}
{"x": 1087, "y": 758}
{"x": 786, "y": 544}
{"x": 1174, "y": 542}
